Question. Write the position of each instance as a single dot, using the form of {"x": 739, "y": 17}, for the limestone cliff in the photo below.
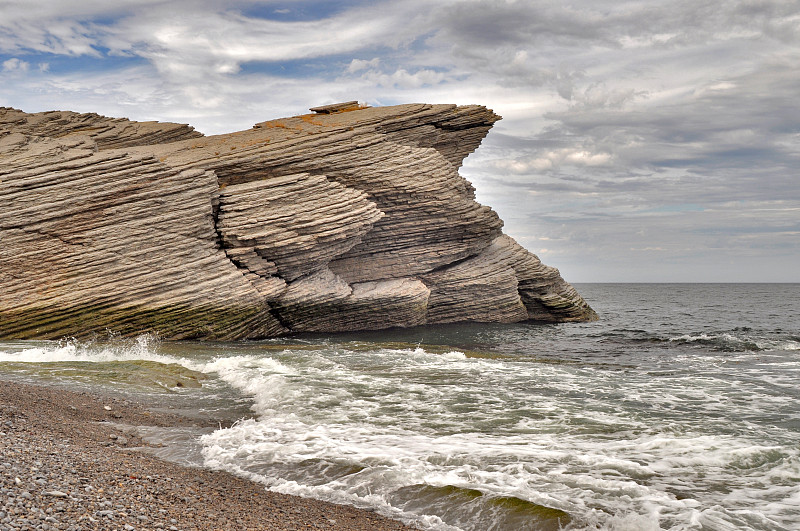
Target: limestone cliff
{"x": 345, "y": 219}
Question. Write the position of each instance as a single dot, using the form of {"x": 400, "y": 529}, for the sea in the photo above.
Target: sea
{"x": 678, "y": 410}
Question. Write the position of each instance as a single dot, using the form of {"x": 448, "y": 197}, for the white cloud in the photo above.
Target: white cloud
{"x": 15, "y": 65}
{"x": 403, "y": 79}
{"x": 357, "y": 65}
{"x": 552, "y": 160}
{"x": 199, "y": 43}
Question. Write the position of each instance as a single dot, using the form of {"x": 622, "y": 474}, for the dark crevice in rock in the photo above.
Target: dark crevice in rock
{"x": 449, "y": 265}
{"x": 215, "y": 207}
{"x": 280, "y": 318}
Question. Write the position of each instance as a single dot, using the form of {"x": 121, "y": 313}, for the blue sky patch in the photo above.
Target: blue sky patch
{"x": 300, "y": 10}
{"x": 66, "y": 64}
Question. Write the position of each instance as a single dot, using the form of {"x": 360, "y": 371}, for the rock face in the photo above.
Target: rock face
{"x": 348, "y": 219}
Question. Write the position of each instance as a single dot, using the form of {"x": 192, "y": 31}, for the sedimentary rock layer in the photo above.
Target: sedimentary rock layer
{"x": 352, "y": 218}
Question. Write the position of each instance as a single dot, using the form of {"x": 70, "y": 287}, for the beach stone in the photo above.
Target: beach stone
{"x": 114, "y": 225}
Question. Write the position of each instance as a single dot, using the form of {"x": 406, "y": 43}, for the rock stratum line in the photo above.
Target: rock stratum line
{"x": 347, "y": 219}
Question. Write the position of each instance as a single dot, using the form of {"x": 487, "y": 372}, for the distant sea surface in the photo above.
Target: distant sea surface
{"x": 679, "y": 410}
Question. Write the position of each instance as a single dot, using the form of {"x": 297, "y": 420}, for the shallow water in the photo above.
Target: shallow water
{"x": 678, "y": 410}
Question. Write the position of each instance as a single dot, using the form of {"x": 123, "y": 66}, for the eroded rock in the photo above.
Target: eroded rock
{"x": 352, "y": 218}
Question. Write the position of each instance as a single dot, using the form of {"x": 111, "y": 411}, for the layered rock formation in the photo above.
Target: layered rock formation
{"x": 346, "y": 219}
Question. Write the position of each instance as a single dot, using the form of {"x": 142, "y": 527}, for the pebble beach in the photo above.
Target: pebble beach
{"x": 72, "y": 460}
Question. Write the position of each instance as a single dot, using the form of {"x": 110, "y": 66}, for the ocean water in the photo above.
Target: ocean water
{"x": 679, "y": 410}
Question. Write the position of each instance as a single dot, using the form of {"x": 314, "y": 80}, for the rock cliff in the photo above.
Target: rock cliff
{"x": 346, "y": 219}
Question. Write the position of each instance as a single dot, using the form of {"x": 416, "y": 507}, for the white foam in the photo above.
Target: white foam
{"x": 454, "y": 355}
{"x": 143, "y": 347}
{"x": 741, "y": 342}
{"x": 787, "y": 344}
{"x": 620, "y": 522}
{"x": 390, "y": 411}
{"x": 67, "y": 352}
{"x": 690, "y": 338}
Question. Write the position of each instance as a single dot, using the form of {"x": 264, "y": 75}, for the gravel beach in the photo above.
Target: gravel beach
{"x": 68, "y": 462}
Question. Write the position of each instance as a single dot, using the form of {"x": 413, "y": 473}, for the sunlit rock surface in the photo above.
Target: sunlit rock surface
{"x": 347, "y": 219}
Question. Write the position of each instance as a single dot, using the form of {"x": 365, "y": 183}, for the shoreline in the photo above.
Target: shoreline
{"x": 68, "y": 461}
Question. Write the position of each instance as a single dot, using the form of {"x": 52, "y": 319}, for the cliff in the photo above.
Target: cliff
{"x": 345, "y": 219}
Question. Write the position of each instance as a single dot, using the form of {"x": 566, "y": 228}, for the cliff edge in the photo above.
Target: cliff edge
{"x": 346, "y": 219}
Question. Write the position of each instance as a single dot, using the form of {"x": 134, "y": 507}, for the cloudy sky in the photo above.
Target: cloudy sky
{"x": 642, "y": 140}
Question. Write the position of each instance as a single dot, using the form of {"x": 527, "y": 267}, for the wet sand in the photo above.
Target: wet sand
{"x": 67, "y": 462}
